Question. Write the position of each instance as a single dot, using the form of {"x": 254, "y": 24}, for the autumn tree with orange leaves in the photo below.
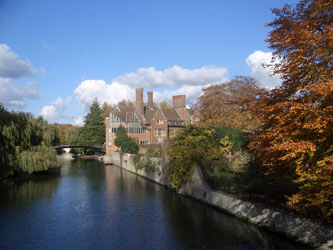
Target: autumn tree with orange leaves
{"x": 229, "y": 104}
{"x": 297, "y": 136}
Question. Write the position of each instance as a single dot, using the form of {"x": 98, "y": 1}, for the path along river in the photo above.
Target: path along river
{"x": 92, "y": 206}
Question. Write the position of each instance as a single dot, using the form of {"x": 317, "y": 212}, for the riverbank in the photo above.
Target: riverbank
{"x": 298, "y": 228}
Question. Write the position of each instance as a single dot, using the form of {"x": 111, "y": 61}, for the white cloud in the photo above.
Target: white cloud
{"x": 55, "y": 111}
{"x": 13, "y": 95}
{"x": 188, "y": 81}
{"x": 264, "y": 75}
{"x": 172, "y": 77}
{"x": 111, "y": 93}
{"x": 192, "y": 93}
{"x": 11, "y": 66}
{"x": 79, "y": 121}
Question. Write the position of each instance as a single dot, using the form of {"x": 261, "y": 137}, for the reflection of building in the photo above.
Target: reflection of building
{"x": 148, "y": 124}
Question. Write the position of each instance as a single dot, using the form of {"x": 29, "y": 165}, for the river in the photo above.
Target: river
{"x": 92, "y": 206}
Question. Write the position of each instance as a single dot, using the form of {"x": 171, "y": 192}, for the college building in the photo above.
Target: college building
{"x": 146, "y": 123}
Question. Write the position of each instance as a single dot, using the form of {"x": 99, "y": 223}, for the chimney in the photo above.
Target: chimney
{"x": 139, "y": 101}
{"x": 150, "y": 99}
{"x": 178, "y": 101}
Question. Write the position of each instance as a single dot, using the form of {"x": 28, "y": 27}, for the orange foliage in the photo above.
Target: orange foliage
{"x": 229, "y": 104}
{"x": 63, "y": 129}
{"x": 297, "y": 136}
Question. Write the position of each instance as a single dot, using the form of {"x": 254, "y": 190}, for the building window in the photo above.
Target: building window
{"x": 144, "y": 142}
{"x": 158, "y": 132}
{"x": 134, "y": 119}
{"x": 196, "y": 119}
{"x": 136, "y": 130}
{"x": 115, "y": 119}
{"x": 159, "y": 121}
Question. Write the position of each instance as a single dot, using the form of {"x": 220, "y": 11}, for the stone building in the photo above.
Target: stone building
{"x": 148, "y": 124}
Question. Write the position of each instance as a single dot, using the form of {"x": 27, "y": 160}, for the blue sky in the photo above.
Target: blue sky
{"x": 56, "y": 56}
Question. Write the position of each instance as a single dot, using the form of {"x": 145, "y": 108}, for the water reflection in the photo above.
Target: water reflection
{"x": 21, "y": 191}
{"x": 189, "y": 224}
{"x": 91, "y": 206}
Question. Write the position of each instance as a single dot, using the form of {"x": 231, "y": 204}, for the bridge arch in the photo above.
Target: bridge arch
{"x": 99, "y": 148}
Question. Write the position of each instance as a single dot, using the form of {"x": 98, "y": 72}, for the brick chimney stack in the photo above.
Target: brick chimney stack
{"x": 139, "y": 101}
{"x": 178, "y": 101}
{"x": 150, "y": 99}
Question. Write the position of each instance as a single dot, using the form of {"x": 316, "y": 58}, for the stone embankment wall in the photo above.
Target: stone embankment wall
{"x": 301, "y": 229}
{"x": 126, "y": 161}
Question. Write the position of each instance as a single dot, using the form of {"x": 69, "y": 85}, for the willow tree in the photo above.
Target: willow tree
{"x": 25, "y": 143}
{"x": 297, "y": 136}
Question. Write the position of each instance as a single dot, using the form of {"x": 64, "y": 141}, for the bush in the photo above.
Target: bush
{"x": 236, "y": 136}
{"x": 192, "y": 146}
{"x": 145, "y": 164}
{"x": 152, "y": 152}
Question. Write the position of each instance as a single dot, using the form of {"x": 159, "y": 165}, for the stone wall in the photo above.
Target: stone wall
{"x": 126, "y": 161}
{"x": 298, "y": 228}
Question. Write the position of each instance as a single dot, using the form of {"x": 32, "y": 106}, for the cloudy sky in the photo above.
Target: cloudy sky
{"x": 56, "y": 56}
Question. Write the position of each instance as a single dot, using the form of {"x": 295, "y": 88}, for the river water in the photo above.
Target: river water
{"x": 92, "y": 206}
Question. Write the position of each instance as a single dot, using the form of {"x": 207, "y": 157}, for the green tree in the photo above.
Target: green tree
{"x": 25, "y": 143}
{"x": 190, "y": 147}
{"x": 73, "y": 135}
{"x": 93, "y": 131}
{"x": 126, "y": 143}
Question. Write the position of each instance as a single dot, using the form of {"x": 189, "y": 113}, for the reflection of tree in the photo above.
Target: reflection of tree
{"x": 91, "y": 169}
{"x": 21, "y": 191}
{"x": 196, "y": 225}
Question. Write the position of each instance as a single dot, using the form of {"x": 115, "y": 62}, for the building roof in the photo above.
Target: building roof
{"x": 173, "y": 118}
{"x": 125, "y": 109}
{"x": 171, "y": 115}
{"x": 190, "y": 111}
{"x": 125, "y": 113}
{"x": 149, "y": 113}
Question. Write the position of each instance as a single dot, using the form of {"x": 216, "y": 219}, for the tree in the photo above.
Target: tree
{"x": 229, "y": 104}
{"x": 193, "y": 146}
{"x": 63, "y": 130}
{"x": 73, "y": 136}
{"x": 93, "y": 131}
{"x": 297, "y": 138}
{"x": 25, "y": 143}
{"x": 106, "y": 109}
{"x": 126, "y": 103}
{"x": 165, "y": 105}
{"x": 126, "y": 143}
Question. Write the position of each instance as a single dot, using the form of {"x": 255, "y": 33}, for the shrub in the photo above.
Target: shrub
{"x": 192, "y": 146}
